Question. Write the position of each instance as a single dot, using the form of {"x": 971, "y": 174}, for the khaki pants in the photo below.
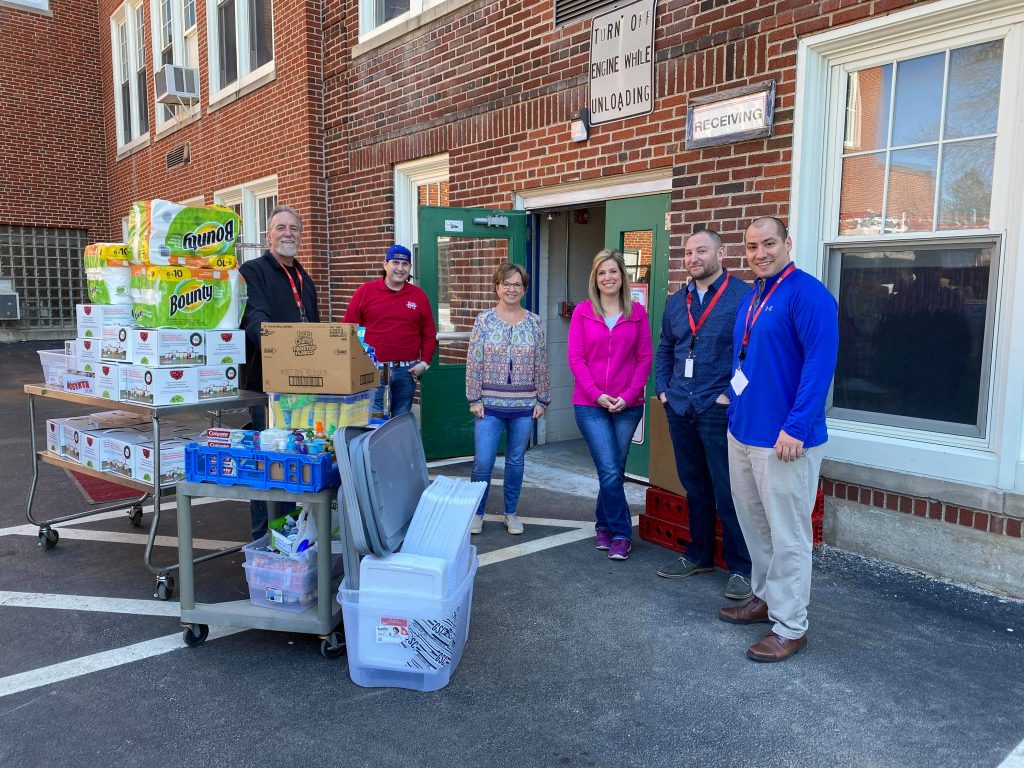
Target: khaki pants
{"x": 774, "y": 500}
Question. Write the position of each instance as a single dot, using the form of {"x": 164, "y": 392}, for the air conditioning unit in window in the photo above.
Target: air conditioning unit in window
{"x": 177, "y": 85}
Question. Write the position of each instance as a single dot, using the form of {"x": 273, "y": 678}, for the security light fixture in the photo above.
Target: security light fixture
{"x": 580, "y": 125}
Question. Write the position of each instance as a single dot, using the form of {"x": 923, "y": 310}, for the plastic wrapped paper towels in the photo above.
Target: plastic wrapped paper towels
{"x": 186, "y": 297}
{"x": 162, "y": 233}
{"x": 107, "y": 273}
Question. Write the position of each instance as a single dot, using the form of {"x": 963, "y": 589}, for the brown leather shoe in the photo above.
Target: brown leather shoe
{"x": 773, "y": 647}
{"x": 754, "y": 611}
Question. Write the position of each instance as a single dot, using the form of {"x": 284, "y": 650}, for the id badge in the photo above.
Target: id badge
{"x": 739, "y": 382}
{"x": 688, "y": 369}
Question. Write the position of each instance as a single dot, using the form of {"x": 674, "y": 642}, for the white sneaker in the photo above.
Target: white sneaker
{"x": 513, "y": 525}
{"x": 477, "y": 525}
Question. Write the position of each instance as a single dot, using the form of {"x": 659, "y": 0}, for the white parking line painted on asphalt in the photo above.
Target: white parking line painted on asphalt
{"x": 1015, "y": 759}
{"x": 539, "y": 545}
{"x": 114, "y": 537}
{"x": 89, "y": 603}
{"x": 548, "y": 522}
{"x": 96, "y": 662}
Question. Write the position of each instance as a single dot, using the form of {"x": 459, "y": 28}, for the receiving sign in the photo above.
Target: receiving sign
{"x": 622, "y": 63}
{"x": 734, "y": 115}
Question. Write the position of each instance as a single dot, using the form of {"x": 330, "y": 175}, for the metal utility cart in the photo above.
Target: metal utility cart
{"x": 321, "y": 619}
{"x": 48, "y": 536}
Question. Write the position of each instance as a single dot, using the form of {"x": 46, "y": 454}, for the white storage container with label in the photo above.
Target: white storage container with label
{"x": 114, "y": 347}
{"x": 167, "y": 346}
{"x": 216, "y": 381}
{"x": 159, "y": 386}
{"x": 225, "y": 347}
{"x": 92, "y": 318}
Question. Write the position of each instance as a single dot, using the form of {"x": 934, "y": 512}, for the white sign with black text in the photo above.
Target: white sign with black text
{"x": 622, "y": 63}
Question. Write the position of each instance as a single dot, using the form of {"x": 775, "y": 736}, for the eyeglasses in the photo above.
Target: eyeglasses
{"x": 512, "y": 286}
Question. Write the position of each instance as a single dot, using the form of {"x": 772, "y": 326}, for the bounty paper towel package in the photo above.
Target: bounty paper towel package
{"x": 167, "y": 346}
{"x": 93, "y": 317}
{"x": 107, "y": 273}
{"x": 162, "y": 233}
{"x": 185, "y": 297}
{"x": 225, "y": 347}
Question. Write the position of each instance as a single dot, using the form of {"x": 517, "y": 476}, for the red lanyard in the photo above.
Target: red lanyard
{"x": 694, "y": 327}
{"x": 749, "y": 323}
{"x": 297, "y": 293}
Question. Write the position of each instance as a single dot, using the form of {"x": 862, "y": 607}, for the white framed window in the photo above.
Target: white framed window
{"x": 240, "y": 40}
{"x": 380, "y": 15}
{"x": 916, "y": 230}
{"x": 253, "y": 202}
{"x": 418, "y": 182}
{"x": 32, "y": 5}
{"x": 131, "y": 103}
{"x": 175, "y": 41}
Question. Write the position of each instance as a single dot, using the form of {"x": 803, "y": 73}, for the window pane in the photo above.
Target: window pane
{"x": 912, "y": 333}
{"x": 228, "y": 47}
{"x": 264, "y": 205}
{"x": 972, "y": 101}
{"x": 637, "y": 248}
{"x": 911, "y": 190}
{"x": 190, "y": 14}
{"x": 143, "y": 101}
{"x": 867, "y": 108}
{"x": 122, "y": 44}
{"x": 126, "y": 112}
{"x": 860, "y": 201}
{"x": 918, "y": 99}
{"x": 966, "y": 192}
{"x": 165, "y": 23}
{"x": 389, "y": 9}
{"x": 261, "y": 32}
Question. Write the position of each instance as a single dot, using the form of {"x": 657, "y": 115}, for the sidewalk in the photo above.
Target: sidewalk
{"x": 572, "y": 660}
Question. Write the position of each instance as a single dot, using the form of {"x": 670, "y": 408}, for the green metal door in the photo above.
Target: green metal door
{"x": 459, "y": 250}
{"x": 637, "y": 227}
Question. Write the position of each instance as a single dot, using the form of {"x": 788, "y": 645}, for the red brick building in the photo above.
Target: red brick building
{"x": 891, "y": 146}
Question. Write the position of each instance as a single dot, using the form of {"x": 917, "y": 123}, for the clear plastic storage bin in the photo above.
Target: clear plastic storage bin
{"x": 279, "y": 581}
{"x": 55, "y": 365}
{"x": 400, "y": 641}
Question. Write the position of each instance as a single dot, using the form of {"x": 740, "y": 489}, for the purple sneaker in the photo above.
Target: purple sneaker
{"x": 619, "y": 549}
{"x": 604, "y": 539}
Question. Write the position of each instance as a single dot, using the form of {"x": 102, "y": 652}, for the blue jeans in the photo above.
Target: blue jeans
{"x": 608, "y": 436}
{"x": 403, "y": 389}
{"x": 487, "y": 434}
{"x": 701, "y": 445}
{"x": 258, "y": 507}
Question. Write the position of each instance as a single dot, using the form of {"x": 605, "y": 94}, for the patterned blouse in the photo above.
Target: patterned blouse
{"x": 507, "y": 365}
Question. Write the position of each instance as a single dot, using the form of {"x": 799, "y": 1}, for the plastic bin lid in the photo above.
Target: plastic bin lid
{"x": 351, "y": 501}
{"x": 396, "y": 470}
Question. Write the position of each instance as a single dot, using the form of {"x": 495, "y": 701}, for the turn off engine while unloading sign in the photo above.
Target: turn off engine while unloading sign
{"x": 622, "y": 62}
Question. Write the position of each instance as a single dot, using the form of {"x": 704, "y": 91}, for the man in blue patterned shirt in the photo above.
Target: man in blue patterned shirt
{"x": 692, "y": 370}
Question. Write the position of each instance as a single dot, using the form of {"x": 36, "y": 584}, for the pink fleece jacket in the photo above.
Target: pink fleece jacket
{"x": 612, "y": 362}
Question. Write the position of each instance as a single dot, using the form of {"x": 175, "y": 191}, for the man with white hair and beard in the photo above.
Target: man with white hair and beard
{"x": 279, "y": 291}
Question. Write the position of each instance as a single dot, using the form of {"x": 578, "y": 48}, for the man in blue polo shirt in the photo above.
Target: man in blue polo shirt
{"x": 786, "y": 338}
{"x": 692, "y": 370}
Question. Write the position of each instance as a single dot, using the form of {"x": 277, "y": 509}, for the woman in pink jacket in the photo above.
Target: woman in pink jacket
{"x": 610, "y": 356}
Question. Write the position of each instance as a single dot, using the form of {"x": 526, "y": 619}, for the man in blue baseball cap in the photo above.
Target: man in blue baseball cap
{"x": 399, "y": 326}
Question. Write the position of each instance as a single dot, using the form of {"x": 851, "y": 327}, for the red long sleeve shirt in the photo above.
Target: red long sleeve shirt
{"x": 399, "y": 324}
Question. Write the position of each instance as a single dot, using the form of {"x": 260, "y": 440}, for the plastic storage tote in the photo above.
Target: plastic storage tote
{"x": 293, "y": 472}
{"x": 278, "y": 581}
{"x": 400, "y": 641}
{"x": 300, "y": 411}
{"x": 55, "y": 365}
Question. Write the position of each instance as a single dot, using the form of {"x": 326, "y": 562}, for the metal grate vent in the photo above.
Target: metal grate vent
{"x": 179, "y": 155}
{"x": 574, "y": 10}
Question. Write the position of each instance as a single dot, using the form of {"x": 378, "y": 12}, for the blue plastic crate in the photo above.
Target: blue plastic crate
{"x": 293, "y": 472}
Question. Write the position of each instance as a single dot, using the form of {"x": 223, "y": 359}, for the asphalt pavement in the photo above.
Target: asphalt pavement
{"x": 572, "y": 659}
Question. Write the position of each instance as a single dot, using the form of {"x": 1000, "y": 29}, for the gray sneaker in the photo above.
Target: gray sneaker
{"x": 477, "y": 525}
{"x": 513, "y": 525}
{"x": 680, "y": 568}
{"x": 738, "y": 587}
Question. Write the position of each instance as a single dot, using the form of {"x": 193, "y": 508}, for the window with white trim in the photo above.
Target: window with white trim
{"x": 384, "y": 14}
{"x": 175, "y": 41}
{"x": 32, "y": 5}
{"x": 253, "y": 203}
{"x": 131, "y": 103}
{"x": 417, "y": 183}
{"x": 240, "y": 39}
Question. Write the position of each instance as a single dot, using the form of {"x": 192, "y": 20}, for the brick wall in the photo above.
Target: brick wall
{"x": 53, "y": 167}
{"x": 495, "y": 85}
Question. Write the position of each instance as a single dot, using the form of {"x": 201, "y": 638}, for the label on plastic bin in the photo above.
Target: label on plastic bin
{"x": 274, "y": 595}
{"x": 392, "y": 630}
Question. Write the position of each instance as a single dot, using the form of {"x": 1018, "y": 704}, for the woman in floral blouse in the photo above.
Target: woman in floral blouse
{"x": 507, "y": 386}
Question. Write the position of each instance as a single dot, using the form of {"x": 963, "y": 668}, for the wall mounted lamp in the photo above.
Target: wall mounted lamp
{"x": 579, "y": 128}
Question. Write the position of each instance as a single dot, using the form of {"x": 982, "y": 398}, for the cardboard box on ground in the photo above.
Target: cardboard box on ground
{"x": 662, "y": 458}
{"x": 318, "y": 358}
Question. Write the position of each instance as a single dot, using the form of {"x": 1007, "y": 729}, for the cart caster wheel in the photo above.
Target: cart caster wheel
{"x": 195, "y": 634}
{"x": 164, "y": 588}
{"x": 135, "y": 516}
{"x": 48, "y": 538}
{"x": 333, "y": 646}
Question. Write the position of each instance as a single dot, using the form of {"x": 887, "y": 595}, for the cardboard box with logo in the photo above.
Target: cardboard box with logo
{"x": 662, "y": 462}
{"x": 320, "y": 358}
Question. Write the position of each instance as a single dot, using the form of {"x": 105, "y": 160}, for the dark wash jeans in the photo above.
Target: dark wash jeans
{"x": 402, "y": 389}
{"x": 701, "y": 445}
{"x": 608, "y": 436}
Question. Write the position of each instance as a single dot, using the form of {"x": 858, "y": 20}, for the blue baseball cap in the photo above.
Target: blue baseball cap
{"x": 398, "y": 252}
